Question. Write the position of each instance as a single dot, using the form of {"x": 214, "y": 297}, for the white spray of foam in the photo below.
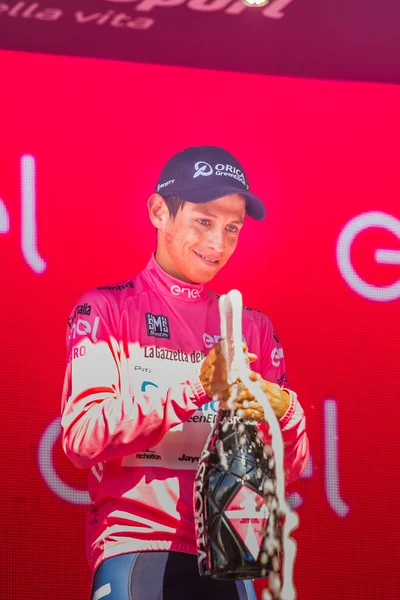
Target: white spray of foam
{"x": 230, "y": 306}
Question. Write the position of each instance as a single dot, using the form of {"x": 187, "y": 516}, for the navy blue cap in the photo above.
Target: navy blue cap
{"x": 205, "y": 173}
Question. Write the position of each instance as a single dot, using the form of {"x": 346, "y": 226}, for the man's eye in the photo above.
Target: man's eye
{"x": 206, "y": 222}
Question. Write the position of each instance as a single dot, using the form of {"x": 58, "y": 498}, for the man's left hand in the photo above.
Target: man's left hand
{"x": 278, "y": 398}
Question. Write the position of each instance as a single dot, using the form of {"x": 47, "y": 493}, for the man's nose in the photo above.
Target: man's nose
{"x": 217, "y": 239}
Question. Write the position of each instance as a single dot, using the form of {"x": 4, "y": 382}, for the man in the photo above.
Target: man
{"x": 137, "y": 406}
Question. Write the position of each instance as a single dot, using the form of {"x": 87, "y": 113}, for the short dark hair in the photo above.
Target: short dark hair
{"x": 174, "y": 203}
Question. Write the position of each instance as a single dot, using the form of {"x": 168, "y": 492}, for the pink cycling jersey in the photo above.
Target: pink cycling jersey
{"x": 135, "y": 413}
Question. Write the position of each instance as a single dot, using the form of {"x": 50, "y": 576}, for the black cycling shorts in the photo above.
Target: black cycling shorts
{"x": 159, "y": 575}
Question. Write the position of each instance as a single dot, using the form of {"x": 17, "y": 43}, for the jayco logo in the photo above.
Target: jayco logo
{"x": 177, "y": 291}
{"x": 202, "y": 168}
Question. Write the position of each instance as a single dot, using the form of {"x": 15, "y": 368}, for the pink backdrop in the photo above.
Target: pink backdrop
{"x": 81, "y": 145}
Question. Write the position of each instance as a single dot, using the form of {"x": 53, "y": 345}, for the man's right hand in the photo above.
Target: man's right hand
{"x": 213, "y": 373}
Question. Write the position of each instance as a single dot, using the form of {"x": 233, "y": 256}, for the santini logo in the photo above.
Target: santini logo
{"x": 157, "y": 326}
{"x": 117, "y": 288}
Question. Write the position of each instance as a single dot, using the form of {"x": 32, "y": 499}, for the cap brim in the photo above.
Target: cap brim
{"x": 254, "y": 206}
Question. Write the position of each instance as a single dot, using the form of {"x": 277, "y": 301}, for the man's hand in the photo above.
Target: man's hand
{"x": 213, "y": 373}
{"x": 213, "y": 377}
{"x": 250, "y": 408}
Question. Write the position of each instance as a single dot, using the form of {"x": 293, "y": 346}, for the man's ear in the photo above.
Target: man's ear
{"x": 158, "y": 211}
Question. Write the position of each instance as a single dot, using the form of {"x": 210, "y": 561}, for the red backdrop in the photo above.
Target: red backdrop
{"x": 82, "y": 144}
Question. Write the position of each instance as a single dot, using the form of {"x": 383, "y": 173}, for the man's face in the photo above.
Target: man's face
{"x": 200, "y": 240}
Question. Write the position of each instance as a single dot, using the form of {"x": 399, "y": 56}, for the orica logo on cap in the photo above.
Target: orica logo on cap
{"x": 204, "y": 169}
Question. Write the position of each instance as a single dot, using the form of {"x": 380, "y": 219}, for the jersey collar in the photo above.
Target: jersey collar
{"x": 172, "y": 287}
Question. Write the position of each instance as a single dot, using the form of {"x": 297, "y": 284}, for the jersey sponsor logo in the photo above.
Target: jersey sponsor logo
{"x": 210, "y": 418}
{"x": 81, "y": 309}
{"x": 213, "y": 405}
{"x": 208, "y": 413}
{"x": 176, "y": 290}
{"x": 149, "y": 455}
{"x": 282, "y": 380}
{"x": 192, "y": 459}
{"x": 140, "y": 368}
{"x": 146, "y": 384}
{"x": 197, "y": 357}
{"x": 157, "y": 326}
{"x": 82, "y": 327}
{"x": 117, "y": 288}
{"x": 276, "y": 355}
{"x": 77, "y": 353}
{"x": 211, "y": 340}
{"x": 175, "y": 355}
